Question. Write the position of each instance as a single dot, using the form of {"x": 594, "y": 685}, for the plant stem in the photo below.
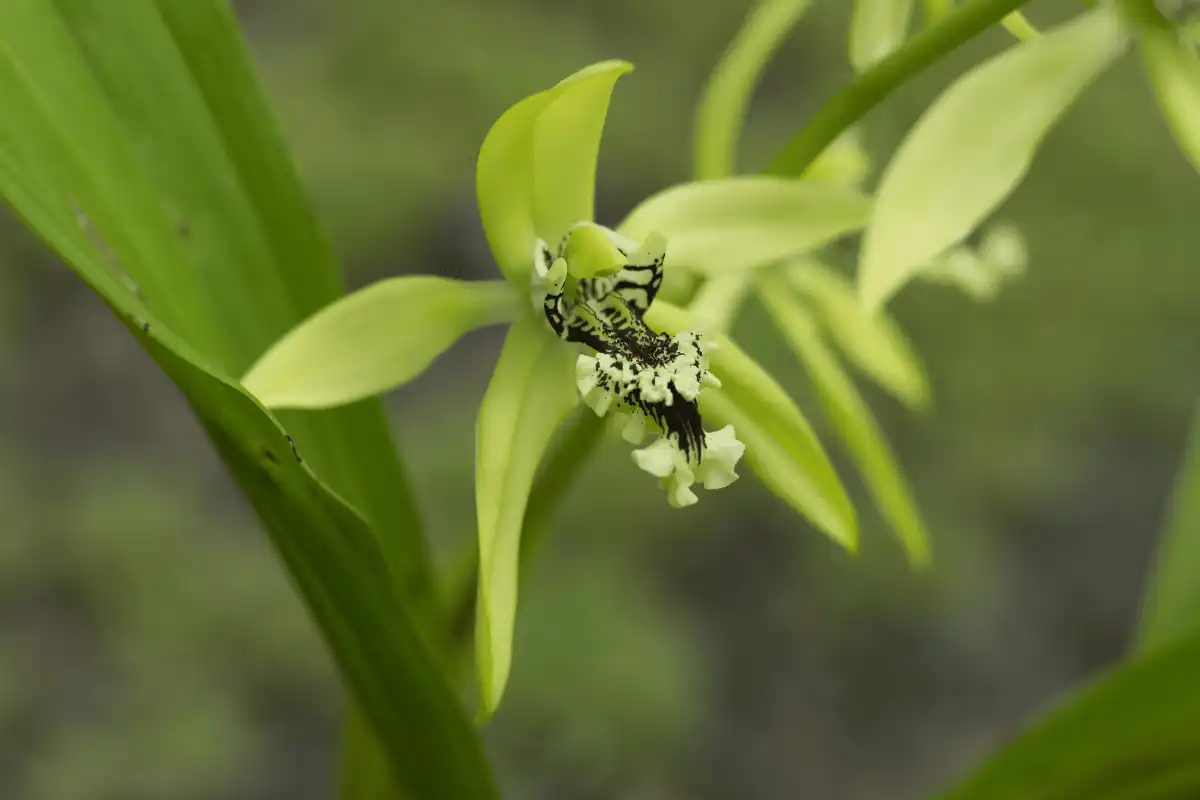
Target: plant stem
{"x": 867, "y": 90}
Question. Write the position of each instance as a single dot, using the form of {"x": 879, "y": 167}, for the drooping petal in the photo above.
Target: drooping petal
{"x": 851, "y": 418}
{"x": 973, "y": 146}
{"x": 781, "y": 447}
{"x": 873, "y": 342}
{"x": 724, "y": 226}
{"x": 1174, "y": 70}
{"x": 536, "y": 169}
{"x": 530, "y": 393}
{"x": 374, "y": 340}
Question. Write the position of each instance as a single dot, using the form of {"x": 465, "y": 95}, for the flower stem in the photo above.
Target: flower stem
{"x": 860, "y": 95}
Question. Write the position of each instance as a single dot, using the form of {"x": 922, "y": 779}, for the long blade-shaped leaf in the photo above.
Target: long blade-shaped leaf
{"x": 208, "y": 240}
{"x": 1171, "y": 607}
{"x": 1130, "y": 735}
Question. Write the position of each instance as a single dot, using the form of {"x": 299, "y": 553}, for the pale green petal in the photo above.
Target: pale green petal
{"x": 536, "y": 169}
{"x": 1174, "y": 71}
{"x": 973, "y": 146}
{"x": 374, "y": 340}
{"x": 852, "y": 419}
{"x": 781, "y": 447}
{"x": 531, "y": 391}
{"x": 877, "y": 27}
{"x": 722, "y": 109}
{"x": 874, "y": 342}
{"x": 567, "y": 146}
{"x": 739, "y": 223}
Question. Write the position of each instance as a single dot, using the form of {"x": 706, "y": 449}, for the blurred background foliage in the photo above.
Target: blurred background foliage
{"x": 150, "y": 645}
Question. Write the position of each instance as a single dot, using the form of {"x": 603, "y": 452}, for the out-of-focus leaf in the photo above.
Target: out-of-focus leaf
{"x": 733, "y": 224}
{"x": 136, "y": 145}
{"x": 531, "y": 391}
{"x": 877, "y": 27}
{"x": 974, "y": 144}
{"x": 376, "y": 339}
{"x": 536, "y": 172}
{"x": 781, "y": 447}
{"x": 874, "y": 342}
{"x": 1132, "y": 735}
{"x": 851, "y": 418}
{"x": 722, "y": 110}
{"x": 1174, "y": 71}
{"x": 1172, "y": 600}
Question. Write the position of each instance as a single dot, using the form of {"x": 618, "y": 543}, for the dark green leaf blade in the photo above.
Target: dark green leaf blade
{"x": 1130, "y": 734}
{"x": 79, "y": 176}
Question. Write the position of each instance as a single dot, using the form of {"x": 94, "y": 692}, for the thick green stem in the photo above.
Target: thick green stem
{"x": 866, "y": 91}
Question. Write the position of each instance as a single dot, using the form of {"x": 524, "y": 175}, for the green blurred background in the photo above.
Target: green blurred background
{"x": 150, "y": 646}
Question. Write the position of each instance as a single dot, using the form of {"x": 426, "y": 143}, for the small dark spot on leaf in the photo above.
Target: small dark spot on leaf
{"x": 270, "y": 456}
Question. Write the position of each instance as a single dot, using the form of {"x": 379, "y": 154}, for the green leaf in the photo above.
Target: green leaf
{"x": 974, "y": 144}
{"x": 166, "y": 189}
{"x": 1174, "y": 71}
{"x": 722, "y": 110}
{"x": 851, "y": 418}
{"x": 374, "y": 340}
{"x": 1132, "y": 734}
{"x": 536, "y": 173}
{"x": 781, "y": 447}
{"x": 1172, "y": 602}
{"x": 877, "y": 27}
{"x": 874, "y": 342}
{"x": 531, "y": 391}
{"x": 734, "y": 224}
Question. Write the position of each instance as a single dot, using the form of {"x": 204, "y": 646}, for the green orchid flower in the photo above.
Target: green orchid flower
{"x": 585, "y": 322}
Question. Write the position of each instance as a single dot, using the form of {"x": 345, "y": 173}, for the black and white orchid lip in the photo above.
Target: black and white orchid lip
{"x": 597, "y": 296}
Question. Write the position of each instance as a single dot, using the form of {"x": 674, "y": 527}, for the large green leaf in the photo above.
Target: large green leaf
{"x": 974, "y": 144}
{"x": 530, "y": 393}
{"x": 136, "y": 145}
{"x": 1172, "y": 602}
{"x": 1131, "y": 735}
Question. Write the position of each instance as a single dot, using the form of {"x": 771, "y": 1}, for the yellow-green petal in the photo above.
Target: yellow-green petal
{"x": 531, "y": 391}
{"x": 974, "y": 144}
{"x": 877, "y": 27}
{"x": 781, "y": 447}
{"x": 852, "y": 418}
{"x": 733, "y": 224}
{"x": 1174, "y": 71}
{"x": 536, "y": 170}
{"x": 373, "y": 340}
{"x": 874, "y": 342}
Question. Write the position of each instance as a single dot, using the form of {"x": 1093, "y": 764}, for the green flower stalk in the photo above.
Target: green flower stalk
{"x": 585, "y": 323}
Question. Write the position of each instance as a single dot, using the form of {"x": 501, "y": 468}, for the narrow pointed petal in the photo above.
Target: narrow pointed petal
{"x": 974, "y": 145}
{"x": 531, "y": 391}
{"x": 874, "y": 342}
{"x": 781, "y": 447}
{"x": 852, "y": 419}
{"x": 877, "y": 27}
{"x": 735, "y": 224}
{"x": 373, "y": 340}
{"x": 536, "y": 169}
{"x": 1174, "y": 70}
